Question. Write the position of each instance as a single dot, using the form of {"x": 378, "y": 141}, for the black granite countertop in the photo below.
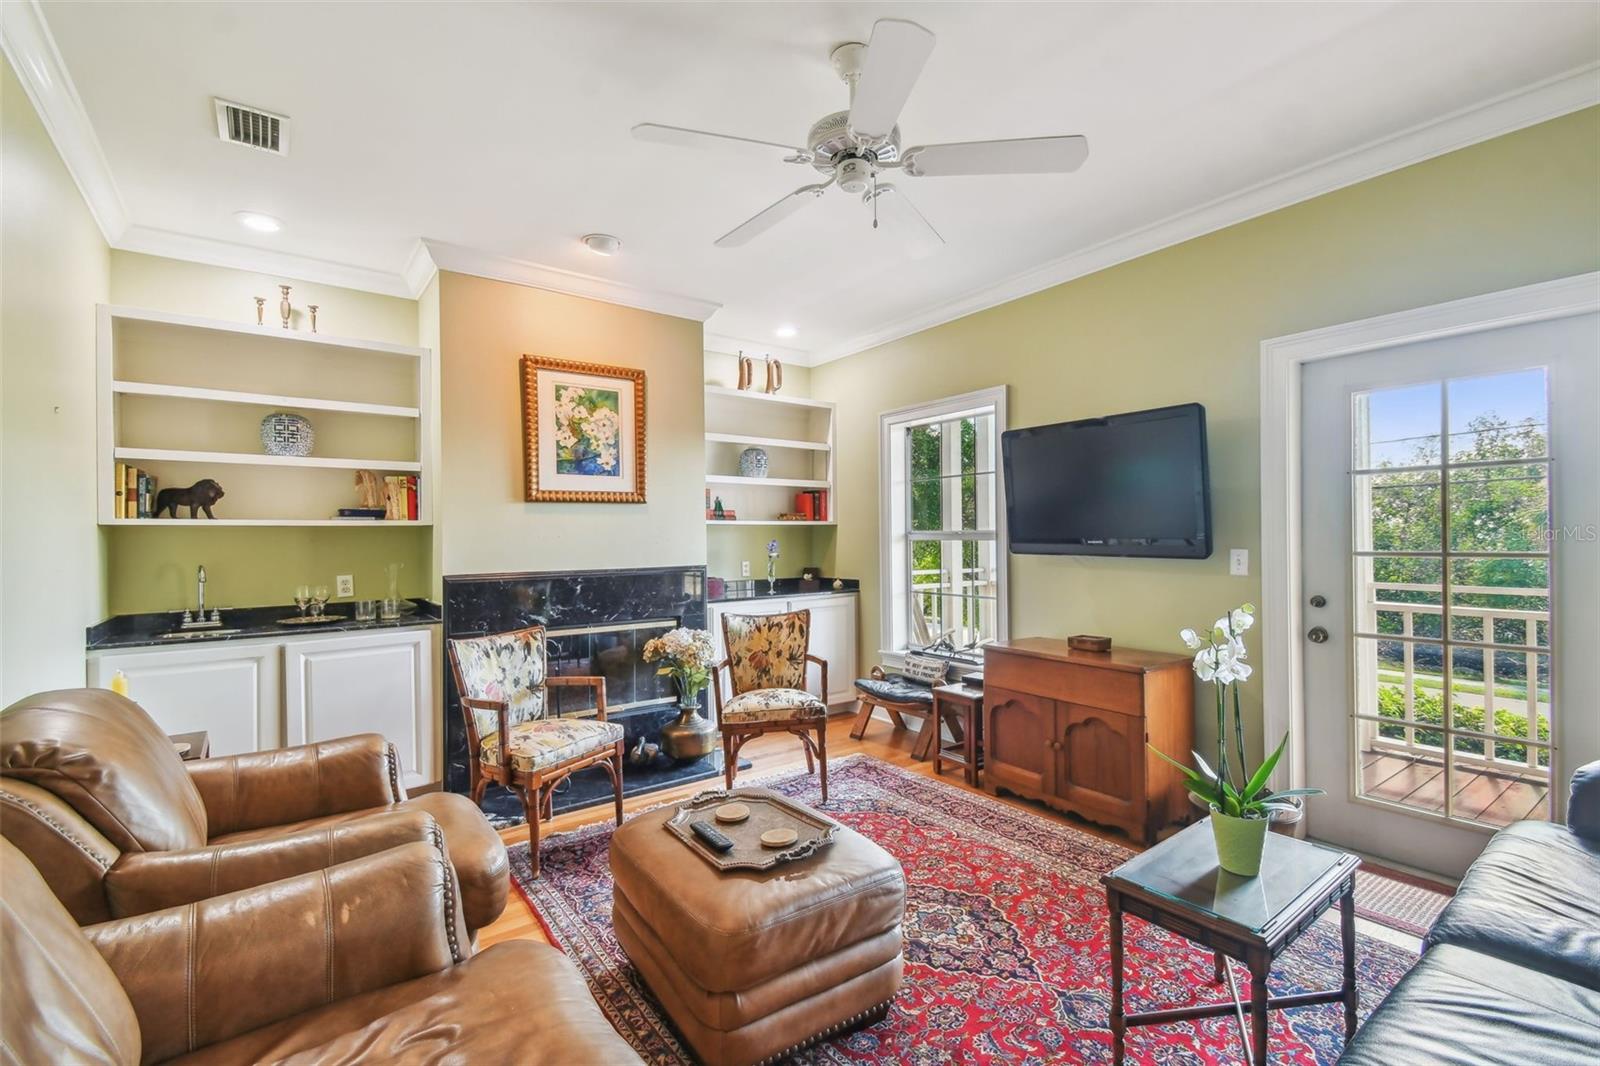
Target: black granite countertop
{"x": 243, "y": 623}
{"x": 786, "y": 586}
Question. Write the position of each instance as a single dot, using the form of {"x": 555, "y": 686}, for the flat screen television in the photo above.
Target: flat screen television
{"x": 1132, "y": 484}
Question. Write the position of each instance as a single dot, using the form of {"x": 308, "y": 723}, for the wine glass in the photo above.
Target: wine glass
{"x": 319, "y": 600}
{"x": 302, "y": 597}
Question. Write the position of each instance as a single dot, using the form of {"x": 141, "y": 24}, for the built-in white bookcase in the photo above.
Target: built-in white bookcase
{"x": 182, "y": 398}
{"x": 798, "y": 437}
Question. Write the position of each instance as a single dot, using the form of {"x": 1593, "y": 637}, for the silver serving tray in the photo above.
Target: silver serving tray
{"x": 768, "y": 810}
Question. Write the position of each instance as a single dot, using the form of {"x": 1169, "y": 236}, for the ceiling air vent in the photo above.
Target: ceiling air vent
{"x": 252, "y": 127}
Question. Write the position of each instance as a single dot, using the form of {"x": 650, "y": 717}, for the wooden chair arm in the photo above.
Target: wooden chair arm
{"x": 716, "y": 684}
{"x": 502, "y": 723}
{"x": 823, "y": 663}
{"x": 582, "y": 681}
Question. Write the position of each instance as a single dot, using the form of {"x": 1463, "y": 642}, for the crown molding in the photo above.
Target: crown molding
{"x": 463, "y": 260}
{"x": 170, "y": 245}
{"x": 729, "y": 345}
{"x": 27, "y": 42}
{"x": 1540, "y": 102}
{"x": 419, "y": 270}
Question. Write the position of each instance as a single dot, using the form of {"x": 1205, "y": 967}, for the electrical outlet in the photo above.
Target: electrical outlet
{"x": 1239, "y": 562}
{"x": 345, "y": 585}
{"x": 744, "y": 568}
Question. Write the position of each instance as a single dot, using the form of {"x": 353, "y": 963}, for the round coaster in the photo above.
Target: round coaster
{"x": 730, "y": 813}
{"x": 181, "y": 747}
{"x": 779, "y": 838}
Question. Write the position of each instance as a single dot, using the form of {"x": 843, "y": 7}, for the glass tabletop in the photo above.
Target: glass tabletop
{"x": 1183, "y": 869}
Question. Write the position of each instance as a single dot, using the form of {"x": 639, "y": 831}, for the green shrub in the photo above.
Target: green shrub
{"x": 1428, "y": 707}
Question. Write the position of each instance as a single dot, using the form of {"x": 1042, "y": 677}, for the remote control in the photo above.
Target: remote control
{"x": 714, "y": 840}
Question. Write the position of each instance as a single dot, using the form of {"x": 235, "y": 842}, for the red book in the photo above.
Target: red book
{"x": 411, "y": 498}
{"x": 802, "y": 505}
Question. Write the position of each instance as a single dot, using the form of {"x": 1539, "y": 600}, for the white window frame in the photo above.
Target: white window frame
{"x": 892, "y": 517}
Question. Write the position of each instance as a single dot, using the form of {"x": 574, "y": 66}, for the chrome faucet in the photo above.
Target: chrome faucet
{"x": 199, "y": 620}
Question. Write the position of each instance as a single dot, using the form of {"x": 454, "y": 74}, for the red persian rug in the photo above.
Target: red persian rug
{"x": 1006, "y": 948}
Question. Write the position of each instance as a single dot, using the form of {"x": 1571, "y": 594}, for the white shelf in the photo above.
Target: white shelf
{"x": 273, "y": 332}
{"x": 261, "y": 399}
{"x": 751, "y": 396}
{"x": 766, "y": 442}
{"x": 764, "y": 522}
{"x": 362, "y": 523}
{"x": 169, "y": 455}
{"x": 780, "y": 482}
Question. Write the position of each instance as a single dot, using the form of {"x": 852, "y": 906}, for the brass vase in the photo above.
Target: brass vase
{"x": 691, "y": 735}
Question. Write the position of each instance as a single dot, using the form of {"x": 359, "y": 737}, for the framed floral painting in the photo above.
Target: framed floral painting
{"x": 582, "y": 432}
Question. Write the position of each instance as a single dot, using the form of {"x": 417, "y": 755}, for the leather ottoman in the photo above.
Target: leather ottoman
{"x": 751, "y": 966}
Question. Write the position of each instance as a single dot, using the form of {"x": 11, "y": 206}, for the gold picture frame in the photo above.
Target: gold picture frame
{"x": 583, "y": 432}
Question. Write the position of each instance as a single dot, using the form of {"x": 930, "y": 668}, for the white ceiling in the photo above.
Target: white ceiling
{"x": 503, "y": 128}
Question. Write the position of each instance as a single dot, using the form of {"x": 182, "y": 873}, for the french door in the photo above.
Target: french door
{"x": 1450, "y": 518}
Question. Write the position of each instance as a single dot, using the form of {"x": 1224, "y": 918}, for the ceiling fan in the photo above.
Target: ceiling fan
{"x": 854, "y": 147}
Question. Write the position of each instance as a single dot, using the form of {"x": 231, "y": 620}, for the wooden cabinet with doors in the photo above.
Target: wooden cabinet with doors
{"x": 1070, "y": 728}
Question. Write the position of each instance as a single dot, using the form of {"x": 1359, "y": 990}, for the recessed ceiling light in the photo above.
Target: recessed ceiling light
{"x": 602, "y": 243}
{"x": 785, "y": 331}
{"x": 257, "y": 221}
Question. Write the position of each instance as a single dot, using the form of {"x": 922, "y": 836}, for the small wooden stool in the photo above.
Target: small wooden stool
{"x": 960, "y": 707}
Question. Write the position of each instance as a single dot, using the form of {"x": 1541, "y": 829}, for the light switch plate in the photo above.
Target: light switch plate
{"x": 345, "y": 585}
{"x": 1239, "y": 562}
{"x": 744, "y": 568}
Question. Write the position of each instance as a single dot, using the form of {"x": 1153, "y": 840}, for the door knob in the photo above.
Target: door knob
{"x": 1318, "y": 635}
{"x": 1319, "y": 601}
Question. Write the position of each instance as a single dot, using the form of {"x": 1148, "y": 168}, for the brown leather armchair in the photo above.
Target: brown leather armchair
{"x": 93, "y": 793}
{"x": 366, "y": 961}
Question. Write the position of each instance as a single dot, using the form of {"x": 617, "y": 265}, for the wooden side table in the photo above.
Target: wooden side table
{"x": 959, "y": 706}
{"x": 1178, "y": 886}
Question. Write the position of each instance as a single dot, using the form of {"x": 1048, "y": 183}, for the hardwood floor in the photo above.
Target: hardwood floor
{"x": 767, "y": 754}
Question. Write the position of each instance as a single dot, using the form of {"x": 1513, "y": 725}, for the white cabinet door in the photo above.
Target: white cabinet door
{"x": 231, "y": 690}
{"x": 366, "y": 683}
{"x": 833, "y": 637}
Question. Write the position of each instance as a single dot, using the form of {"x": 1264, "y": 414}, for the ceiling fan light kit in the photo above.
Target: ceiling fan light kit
{"x": 853, "y": 148}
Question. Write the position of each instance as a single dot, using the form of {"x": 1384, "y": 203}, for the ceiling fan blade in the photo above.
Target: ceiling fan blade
{"x": 895, "y": 56}
{"x": 1026, "y": 155}
{"x": 683, "y": 137}
{"x": 901, "y": 217}
{"x": 771, "y": 216}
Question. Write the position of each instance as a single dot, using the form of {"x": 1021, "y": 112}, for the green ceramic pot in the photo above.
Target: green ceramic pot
{"x": 1240, "y": 842}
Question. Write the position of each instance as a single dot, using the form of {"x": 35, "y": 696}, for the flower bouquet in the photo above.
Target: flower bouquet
{"x": 685, "y": 656}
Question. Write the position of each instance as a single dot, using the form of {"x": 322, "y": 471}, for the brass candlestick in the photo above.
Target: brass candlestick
{"x": 261, "y": 310}
{"x": 285, "y": 309}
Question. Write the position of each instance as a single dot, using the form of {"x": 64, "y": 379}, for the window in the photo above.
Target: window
{"x": 943, "y": 561}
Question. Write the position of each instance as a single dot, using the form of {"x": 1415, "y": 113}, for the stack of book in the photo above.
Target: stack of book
{"x": 135, "y": 493}
{"x": 811, "y": 505}
{"x": 400, "y": 502}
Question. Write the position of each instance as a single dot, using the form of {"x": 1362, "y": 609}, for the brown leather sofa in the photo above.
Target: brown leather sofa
{"x": 93, "y": 793}
{"x": 366, "y": 961}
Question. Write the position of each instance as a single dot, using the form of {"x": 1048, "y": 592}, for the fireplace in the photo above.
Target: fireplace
{"x": 596, "y": 622}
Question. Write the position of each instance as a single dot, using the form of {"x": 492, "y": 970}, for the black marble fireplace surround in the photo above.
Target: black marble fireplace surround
{"x": 623, "y": 608}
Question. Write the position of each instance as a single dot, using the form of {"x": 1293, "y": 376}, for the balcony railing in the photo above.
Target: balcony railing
{"x": 1530, "y": 705}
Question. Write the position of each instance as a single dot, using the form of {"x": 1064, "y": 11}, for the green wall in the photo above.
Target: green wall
{"x": 153, "y": 569}
{"x": 1185, "y": 324}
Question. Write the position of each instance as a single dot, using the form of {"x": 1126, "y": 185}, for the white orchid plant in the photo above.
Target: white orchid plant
{"x": 1220, "y": 658}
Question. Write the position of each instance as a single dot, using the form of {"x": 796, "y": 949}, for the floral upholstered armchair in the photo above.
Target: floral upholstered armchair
{"x": 504, "y": 682}
{"x": 766, "y": 668}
